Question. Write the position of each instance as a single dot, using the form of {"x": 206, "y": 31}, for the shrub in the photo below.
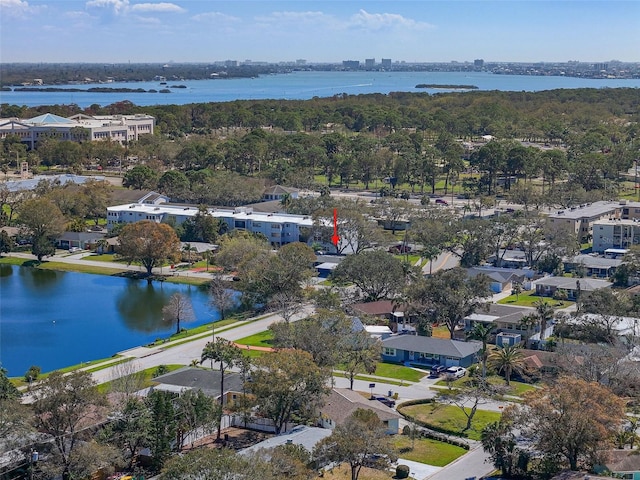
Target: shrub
{"x": 32, "y": 374}
{"x": 402, "y": 471}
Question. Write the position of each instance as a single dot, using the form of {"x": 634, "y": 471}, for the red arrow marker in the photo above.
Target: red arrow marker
{"x": 335, "y": 239}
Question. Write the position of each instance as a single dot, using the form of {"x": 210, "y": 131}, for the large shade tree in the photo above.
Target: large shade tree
{"x": 149, "y": 243}
{"x": 360, "y": 439}
{"x": 43, "y": 221}
{"x": 449, "y": 296}
{"x": 288, "y": 384}
{"x": 573, "y": 419}
{"x": 376, "y": 273}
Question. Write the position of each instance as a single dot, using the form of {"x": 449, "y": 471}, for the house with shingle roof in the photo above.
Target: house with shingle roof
{"x": 548, "y": 286}
{"x": 593, "y": 266}
{"x": 622, "y": 464}
{"x": 278, "y": 192}
{"x": 429, "y": 351}
{"x": 342, "y": 402}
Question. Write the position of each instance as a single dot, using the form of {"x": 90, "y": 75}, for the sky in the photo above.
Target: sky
{"x": 149, "y": 31}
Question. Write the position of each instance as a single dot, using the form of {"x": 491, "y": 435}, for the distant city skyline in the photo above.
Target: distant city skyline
{"x": 120, "y": 31}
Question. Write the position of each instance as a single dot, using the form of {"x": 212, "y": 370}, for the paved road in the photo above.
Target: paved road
{"x": 185, "y": 353}
{"x": 83, "y": 258}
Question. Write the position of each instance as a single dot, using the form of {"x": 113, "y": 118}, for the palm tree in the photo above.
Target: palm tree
{"x": 188, "y": 248}
{"x": 285, "y": 201}
{"x": 507, "y": 359}
{"x": 482, "y": 331}
{"x": 102, "y": 245}
{"x": 544, "y": 312}
{"x": 228, "y": 355}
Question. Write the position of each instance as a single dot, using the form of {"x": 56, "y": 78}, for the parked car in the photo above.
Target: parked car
{"x": 437, "y": 370}
{"x": 389, "y": 402}
{"x": 441, "y": 201}
{"x": 397, "y": 249}
{"x": 456, "y": 372}
{"x": 75, "y": 249}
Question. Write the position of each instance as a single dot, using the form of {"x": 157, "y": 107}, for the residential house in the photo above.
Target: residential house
{"x": 388, "y": 310}
{"x": 278, "y": 192}
{"x": 342, "y": 402}
{"x": 82, "y": 240}
{"x": 622, "y": 464}
{"x": 573, "y": 287}
{"x": 302, "y": 435}
{"x": 505, "y": 318}
{"x": 502, "y": 279}
{"x": 208, "y": 381}
{"x": 592, "y": 266}
{"x": 429, "y": 351}
{"x": 509, "y": 259}
{"x": 539, "y": 362}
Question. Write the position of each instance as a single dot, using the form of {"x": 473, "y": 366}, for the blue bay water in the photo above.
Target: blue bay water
{"x": 54, "y": 319}
{"x": 305, "y": 85}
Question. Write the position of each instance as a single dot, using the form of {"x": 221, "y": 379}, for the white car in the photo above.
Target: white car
{"x": 75, "y": 249}
{"x": 456, "y": 372}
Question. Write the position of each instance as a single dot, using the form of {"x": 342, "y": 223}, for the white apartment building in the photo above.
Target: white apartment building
{"x": 279, "y": 229}
{"x": 80, "y": 127}
{"x": 615, "y": 233}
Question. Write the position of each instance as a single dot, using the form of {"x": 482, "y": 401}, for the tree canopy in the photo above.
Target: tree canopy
{"x": 149, "y": 243}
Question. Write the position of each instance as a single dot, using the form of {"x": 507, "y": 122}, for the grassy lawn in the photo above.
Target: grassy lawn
{"x": 451, "y": 418}
{"x": 105, "y": 257}
{"x": 366, "y": 378}
{"x": 399, "y": 372}
{"x": 516, "y": 388}
{"x": 148, "y": 378}
{"x": 262, "y": 339}
{"x": 441, "y": 331}
{"x": 74, "y": 267}
{"x": 427, "y": 451}
{"x": 527, "y": 299}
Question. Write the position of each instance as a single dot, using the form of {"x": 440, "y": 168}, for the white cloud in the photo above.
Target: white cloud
{"x": 214, "y": 17}
{"x": 295, "y": 17}
{"x": 379, "y": 21}
{"x": 148, "y": 20}
{"x": 161, "y": 7}
{"x": 117, "y": 6}
{"x": 77, "y": 15}
{"x": 15, "y": 8}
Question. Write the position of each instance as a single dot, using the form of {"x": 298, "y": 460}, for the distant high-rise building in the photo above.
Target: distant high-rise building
{"x": 301, "y": 61}
{"x": 600, "y": 67}
{"x": 230, "y": 63}
{"x": 369, "y": 63}
{"x": 479, "y": 63}
{"x": 386, "y": 63}
{"x": 351, "y": 64}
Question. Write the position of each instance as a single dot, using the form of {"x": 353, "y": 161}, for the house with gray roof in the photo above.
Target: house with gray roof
{"x": 83, "y": 240}
{"x": 342, "y": 402}
{"x": 548, "y": 286}
{"x": 208, "y": 381}
{"x": 429, "y": 351}
{"x": 593, "y": 266}
{"x": 502, "y": 279}
{"x": 302, "y": 435}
